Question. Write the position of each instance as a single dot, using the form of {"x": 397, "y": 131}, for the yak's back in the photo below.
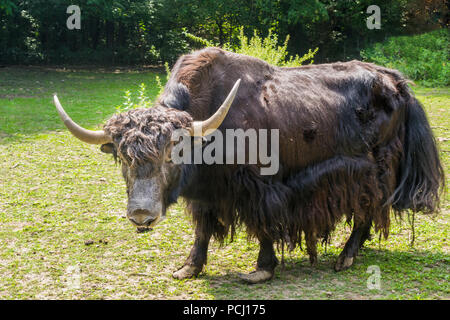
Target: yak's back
{"x": 321, "y": 110}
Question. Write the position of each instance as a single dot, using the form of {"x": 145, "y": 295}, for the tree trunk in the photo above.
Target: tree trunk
{"x": 220, "y": 26}
{"x": 109, "y": 34}
{"x": 95, "y": 32}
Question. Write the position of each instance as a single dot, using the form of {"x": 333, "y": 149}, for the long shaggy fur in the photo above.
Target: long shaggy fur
{"x": 141, "y": 134}
{"x": 421, "y": 176}
{"x": 310, "y": 202}
{"x": 354, "y": 144}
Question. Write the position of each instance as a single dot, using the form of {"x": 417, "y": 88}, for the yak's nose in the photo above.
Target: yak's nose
{"x": 142, "y": 217}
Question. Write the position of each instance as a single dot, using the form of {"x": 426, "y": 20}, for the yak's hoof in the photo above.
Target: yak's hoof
{"x": 257, "y": 276}
{"x": 186, "y": 272}
{"x": 343, "y": 263}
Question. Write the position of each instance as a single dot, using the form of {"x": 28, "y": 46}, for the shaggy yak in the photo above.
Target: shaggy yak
{"x": 354, "y": 144}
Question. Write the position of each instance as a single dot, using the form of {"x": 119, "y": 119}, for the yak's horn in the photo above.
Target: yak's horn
{"x": 89, "y": 136}
{"x": 203, "y": 128}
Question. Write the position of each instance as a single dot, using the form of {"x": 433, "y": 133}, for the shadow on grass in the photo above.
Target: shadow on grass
{"x": 403, "y": 275}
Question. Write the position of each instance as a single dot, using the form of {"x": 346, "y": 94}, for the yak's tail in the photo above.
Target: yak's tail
{"x": 421, "y": 176}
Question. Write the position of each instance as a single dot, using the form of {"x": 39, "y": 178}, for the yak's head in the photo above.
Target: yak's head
{"x": 141, "y": 139}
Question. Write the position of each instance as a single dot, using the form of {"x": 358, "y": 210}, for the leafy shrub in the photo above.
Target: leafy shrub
{"x": 266, "y": 48}
{"x": 422, "y": 58}
{"x": 143, "y": 101}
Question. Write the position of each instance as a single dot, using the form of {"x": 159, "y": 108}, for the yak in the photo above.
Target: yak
{"x": 354, "y": 144}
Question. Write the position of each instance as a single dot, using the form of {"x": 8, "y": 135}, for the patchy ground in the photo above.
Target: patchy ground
{"x": 63, "y": 234}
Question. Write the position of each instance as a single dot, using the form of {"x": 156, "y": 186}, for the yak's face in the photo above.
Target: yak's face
{"x": 151, "y": 186}
{"x": 142, "y": 144}
{"x": 141, "y": 139}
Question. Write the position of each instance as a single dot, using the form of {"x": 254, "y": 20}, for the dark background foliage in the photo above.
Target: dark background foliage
{"x": 153, "y": 31}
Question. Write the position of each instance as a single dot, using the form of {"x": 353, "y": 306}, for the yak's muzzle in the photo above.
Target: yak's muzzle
{"x": 142, "y": 217}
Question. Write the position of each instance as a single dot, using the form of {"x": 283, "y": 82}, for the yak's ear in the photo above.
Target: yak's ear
{"x": 107, "y": 148}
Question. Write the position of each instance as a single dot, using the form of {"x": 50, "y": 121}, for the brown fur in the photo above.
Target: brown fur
{"x": 141, "y": 134}
{"x": 354, "y": 144}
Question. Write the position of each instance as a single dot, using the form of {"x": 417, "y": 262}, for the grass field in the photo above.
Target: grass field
{"x": 64, "y": 235}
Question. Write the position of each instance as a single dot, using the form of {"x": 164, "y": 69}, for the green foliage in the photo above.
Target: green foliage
{"x": 154, "y": 31}
{"x": 423, "y": 58}
{"x": 158, "y": 80}
{"x": 199, "y": 41}
{"x": 143, "y": 100}
{"x": 112, "y": 32}
{"x": 265, "y": 48}
{"x": 268, "y": 49}
{"x": 7, "y": 6}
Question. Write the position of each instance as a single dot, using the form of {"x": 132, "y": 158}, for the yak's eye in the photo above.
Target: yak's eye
{"x": 107, "y": 148}
{"x": 168, "y": 153}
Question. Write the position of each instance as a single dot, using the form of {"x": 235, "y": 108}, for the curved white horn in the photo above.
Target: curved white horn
{"x": 88, "y": 136}
{"x": 202, "y": 128}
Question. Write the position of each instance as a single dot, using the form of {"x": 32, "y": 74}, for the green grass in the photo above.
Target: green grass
{"x": 56, "y": 193}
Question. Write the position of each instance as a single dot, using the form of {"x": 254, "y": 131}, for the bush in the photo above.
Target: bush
{"x": 422, "y": 58}
{"x": 266, "y": 48}
{"x": 143, "y": 101}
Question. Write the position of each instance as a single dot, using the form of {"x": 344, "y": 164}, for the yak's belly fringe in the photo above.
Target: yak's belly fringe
{"x": 325, "y": 193}
{"x": 311, "y": 202}
{"x": 388, "y": 159}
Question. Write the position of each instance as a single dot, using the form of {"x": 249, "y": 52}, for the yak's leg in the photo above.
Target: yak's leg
{"x": 197, "y": 258}
{"x": 265, "y": 266}
{"x": 311, "y": 247}
{"x": 360, "y": 233}
{"x": 365, "y": 233}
